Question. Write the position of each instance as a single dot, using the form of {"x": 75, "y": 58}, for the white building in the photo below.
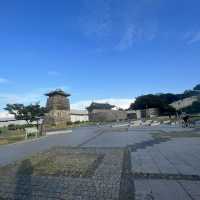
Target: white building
{"x": 76, "y": 115}
{"x": 7, "y": 122}
{"x": 79, "y": 115}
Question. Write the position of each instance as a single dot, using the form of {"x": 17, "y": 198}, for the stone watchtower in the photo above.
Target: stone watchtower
{"x": 58, "y": 109}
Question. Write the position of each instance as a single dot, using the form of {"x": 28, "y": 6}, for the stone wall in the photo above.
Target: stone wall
{"x": 185, "y": 102}
{"x": 147, "y": 113}
{"x": 58, "y": 102}
{"x": 58, "y": 111}
{"x": 141, "y": 114}
{"x": 107, "y": 115}
{"x": 152, "y": 112}
{"x": 57, "y": 118}
{"x": 131, "y": 115}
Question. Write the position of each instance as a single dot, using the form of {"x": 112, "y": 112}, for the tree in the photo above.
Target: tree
{"x": 147, "y": 101}
{"x": 28, "y": 113}
{"x": 197, "y": 87}
{"x": 153, "y": 101}
{"x": 169, "y": 97}
{"x": 193, "y": 109}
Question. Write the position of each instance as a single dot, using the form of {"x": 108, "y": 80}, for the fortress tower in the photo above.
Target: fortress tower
{"x": 58, "y": 109}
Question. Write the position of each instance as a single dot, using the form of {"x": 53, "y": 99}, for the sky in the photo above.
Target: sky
{"x": 97, "y": 50}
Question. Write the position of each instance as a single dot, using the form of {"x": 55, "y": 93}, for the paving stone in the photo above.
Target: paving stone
{"x": 142, "y": 190}
{"x": 159, "y": 190}
{"x": 193, "y": 187}
{"x": 141, "y": 163}
{"x": 119, "y": 139}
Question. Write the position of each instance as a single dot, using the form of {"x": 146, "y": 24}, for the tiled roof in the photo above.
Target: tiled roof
{"x": 57, "y": 92}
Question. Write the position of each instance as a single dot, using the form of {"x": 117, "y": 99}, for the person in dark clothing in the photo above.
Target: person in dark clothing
{"x": 186, "y": 120}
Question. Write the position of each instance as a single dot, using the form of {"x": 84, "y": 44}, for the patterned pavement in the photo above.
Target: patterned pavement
{"x": 135, "y": 165}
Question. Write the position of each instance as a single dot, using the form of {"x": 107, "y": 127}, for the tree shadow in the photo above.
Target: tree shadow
{"x": 23, "y": 180}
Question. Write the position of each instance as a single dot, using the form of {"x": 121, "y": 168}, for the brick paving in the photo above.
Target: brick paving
{"x": 124, "y": 164}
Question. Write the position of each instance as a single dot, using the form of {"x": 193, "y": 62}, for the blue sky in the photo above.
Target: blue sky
{"x": 97, "y": 49}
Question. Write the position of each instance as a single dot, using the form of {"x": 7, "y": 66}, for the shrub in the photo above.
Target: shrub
{"x": 69, "y": 123}
{"x": 193, "y": 109}
{"x": 12, "y": 127}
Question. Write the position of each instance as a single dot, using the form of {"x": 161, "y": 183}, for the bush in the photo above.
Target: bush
{"x": 69, "y": 123}
{"x": 77, "y": 122}
{"x": 193, "y": 109}
{"x": 12, "y": 127}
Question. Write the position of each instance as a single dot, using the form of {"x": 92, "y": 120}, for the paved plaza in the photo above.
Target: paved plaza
{"x": 104, "y": 162}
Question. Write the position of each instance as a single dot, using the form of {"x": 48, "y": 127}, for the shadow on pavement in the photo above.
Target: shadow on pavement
{"x": 23, "y": 180}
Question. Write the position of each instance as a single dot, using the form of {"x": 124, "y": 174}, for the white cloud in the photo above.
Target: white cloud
{"x": 96, "y": 20}
{"x": 3, "y": 80}
{"x": 116, "y": 25}
{"x": 121, "y": 103}
{"x": 128, "y": 38}
{"x": 195, "y": 38}
{"x": 134, "y": 33}
{"x": 192, "y": 37}
{"x": 53, "y": 73}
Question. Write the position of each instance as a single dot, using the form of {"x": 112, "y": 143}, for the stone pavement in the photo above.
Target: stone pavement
{"x": 134, "y": 165}
{"x": 168, "y": 170}
{"x": 102, "y": 181}
{"x": 167, "y": 189}
{"x": 13, "y": 152}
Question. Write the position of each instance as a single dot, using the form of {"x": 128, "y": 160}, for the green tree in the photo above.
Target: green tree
{"x": 28, "y": 113}
{"x": 169, "y": 97}
{"x": 197, "y": 87}
{"x": 147, "y": 101}
{"x": 193, "y": 109}
{"x": 153, "y": 101}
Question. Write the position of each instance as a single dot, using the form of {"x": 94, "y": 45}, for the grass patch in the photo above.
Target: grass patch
{"x": 55, "y": 163}
{"x": 12, "y": 136}
{"x": 196, "y": 117}
{"x": 11, "y": 139}
{"x": 3, "y": 141}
